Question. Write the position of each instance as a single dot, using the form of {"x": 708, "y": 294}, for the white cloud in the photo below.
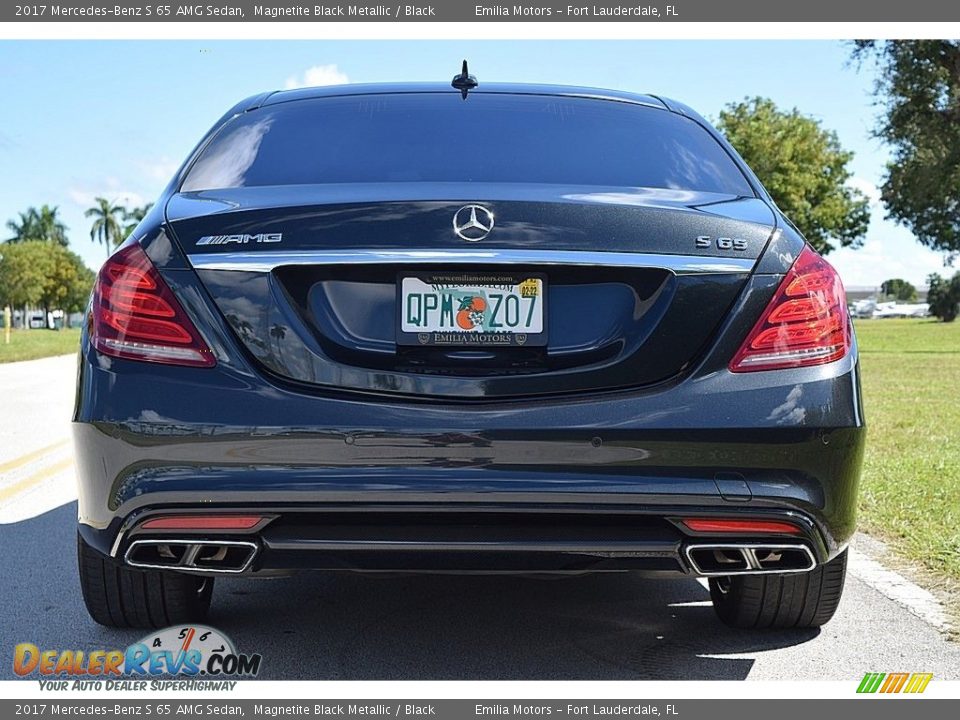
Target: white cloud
{"x": 110, "y": 188}
{"x": 889, "y": 251}
{"x": 228, "y": 163}
{"x": 869, "y": 189}
{"x": 161, "y": 170}
{"x": 318, "y": 75}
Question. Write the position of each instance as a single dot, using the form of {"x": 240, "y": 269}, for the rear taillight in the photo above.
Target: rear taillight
{"x": 136, "y": 316}
{"x": 806, "y": 323}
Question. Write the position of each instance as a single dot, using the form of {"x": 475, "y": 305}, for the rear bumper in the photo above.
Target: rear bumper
{"x": 490, "y": 538}
{"x": 582, "y": 484}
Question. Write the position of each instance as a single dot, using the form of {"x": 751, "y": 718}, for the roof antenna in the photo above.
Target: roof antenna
{"x": 464, "y": 82}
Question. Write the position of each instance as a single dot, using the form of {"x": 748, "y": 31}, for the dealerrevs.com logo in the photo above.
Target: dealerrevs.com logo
{"x": 203, "y": 657}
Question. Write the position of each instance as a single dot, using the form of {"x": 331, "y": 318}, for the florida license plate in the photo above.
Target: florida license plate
{"x": 472, "y": 309}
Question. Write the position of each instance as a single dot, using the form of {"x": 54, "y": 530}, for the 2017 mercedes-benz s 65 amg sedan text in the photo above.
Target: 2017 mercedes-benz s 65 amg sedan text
{"x": 504, "y": 328}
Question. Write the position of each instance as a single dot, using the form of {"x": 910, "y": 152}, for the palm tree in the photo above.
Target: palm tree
{"x": 49, "y": 226}
{"x": 42, "y": 224}
{"x": 26, "y": 228}
{"x": 133, "y": 217}
{"x": 278, "y": 332}
{"x": 106, "y": 226}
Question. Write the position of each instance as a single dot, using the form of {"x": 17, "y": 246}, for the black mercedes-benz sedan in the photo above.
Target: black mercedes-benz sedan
{"x": 495, "y": 328}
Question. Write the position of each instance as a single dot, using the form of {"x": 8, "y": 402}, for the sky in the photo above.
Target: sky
{"x": 116, "y": 118}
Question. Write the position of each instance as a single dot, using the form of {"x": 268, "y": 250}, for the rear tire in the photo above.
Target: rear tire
{"x": 800, "y": 600}
{"x": 123, "y": 597}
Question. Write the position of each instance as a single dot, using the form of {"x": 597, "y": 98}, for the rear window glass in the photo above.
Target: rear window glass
{"x": 438, "y": 137}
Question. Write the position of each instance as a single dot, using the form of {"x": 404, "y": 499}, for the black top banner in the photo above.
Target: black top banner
{"x": 472, "y": 11}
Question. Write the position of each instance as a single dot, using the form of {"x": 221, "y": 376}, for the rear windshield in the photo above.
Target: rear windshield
{"x": 438, "y": 137}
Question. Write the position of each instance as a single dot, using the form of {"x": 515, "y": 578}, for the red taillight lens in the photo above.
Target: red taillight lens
{"x": 806, "y": 323}
{"x": 136, "y": 316}
{"x": 722, "y": 525}
{"x": 202, "y": 522}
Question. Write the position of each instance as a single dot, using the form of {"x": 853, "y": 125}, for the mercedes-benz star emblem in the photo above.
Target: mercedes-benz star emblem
{"x": 472, "y": 222}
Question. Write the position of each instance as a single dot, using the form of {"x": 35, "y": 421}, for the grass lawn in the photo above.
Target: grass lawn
{"x": 910, "y": 494}
{"x": 32, "y": 344}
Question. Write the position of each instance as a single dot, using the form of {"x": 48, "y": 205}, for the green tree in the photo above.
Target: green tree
{"x": 133, "y": 217}
{"x": 24, "y": 271}
{"x": 106, "y": 228}
{"x": 67, "y": 283}
{"x": 804, "y": 168}
{"x": 918, "y": 87}
{"x": 43, "y": 274}
{"x": 898, "y": 289}
{"x": 43, "y": 224}
{"x": 78, "y": 293}
{"x": 944, "y": 297}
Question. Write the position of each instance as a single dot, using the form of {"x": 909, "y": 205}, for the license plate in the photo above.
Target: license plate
{"x": 467, "y": 309}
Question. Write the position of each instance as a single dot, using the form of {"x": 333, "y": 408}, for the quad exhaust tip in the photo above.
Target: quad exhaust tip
{"x": 196, "y": 555}
{"x": 732, "y": 559}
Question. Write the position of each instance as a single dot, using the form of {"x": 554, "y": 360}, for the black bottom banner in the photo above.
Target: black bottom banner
{"x": 740, "y": 709}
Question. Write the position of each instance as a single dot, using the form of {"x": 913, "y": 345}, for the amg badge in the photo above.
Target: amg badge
{"x": 240, "y": 239}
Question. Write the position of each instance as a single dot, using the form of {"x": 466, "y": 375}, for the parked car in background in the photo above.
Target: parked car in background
{"x": 901, "y": 310}
{"x": 863, "y": 308}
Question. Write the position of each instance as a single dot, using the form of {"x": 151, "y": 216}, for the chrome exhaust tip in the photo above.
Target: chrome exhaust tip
{"x": 717, "y": 559}
{"x": 193, "y": 555}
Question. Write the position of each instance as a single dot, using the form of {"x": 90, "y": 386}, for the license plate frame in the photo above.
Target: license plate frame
{"x": 487, "y": 284}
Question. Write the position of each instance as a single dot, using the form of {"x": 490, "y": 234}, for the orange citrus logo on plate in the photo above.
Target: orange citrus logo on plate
{"x": 470, "y": 313}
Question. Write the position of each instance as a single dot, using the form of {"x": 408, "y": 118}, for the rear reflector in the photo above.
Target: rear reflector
{"x": 202, "y": 522}
{"x": 136, "y": 316}
{"x": 715, "y": 525}
{"x": 806, "y": 323}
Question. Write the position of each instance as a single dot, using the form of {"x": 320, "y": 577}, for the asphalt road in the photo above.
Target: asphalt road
{"x": 326, "y": 626}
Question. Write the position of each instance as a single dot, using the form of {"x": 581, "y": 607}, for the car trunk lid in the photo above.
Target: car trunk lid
{"x": 635, "y": 282}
